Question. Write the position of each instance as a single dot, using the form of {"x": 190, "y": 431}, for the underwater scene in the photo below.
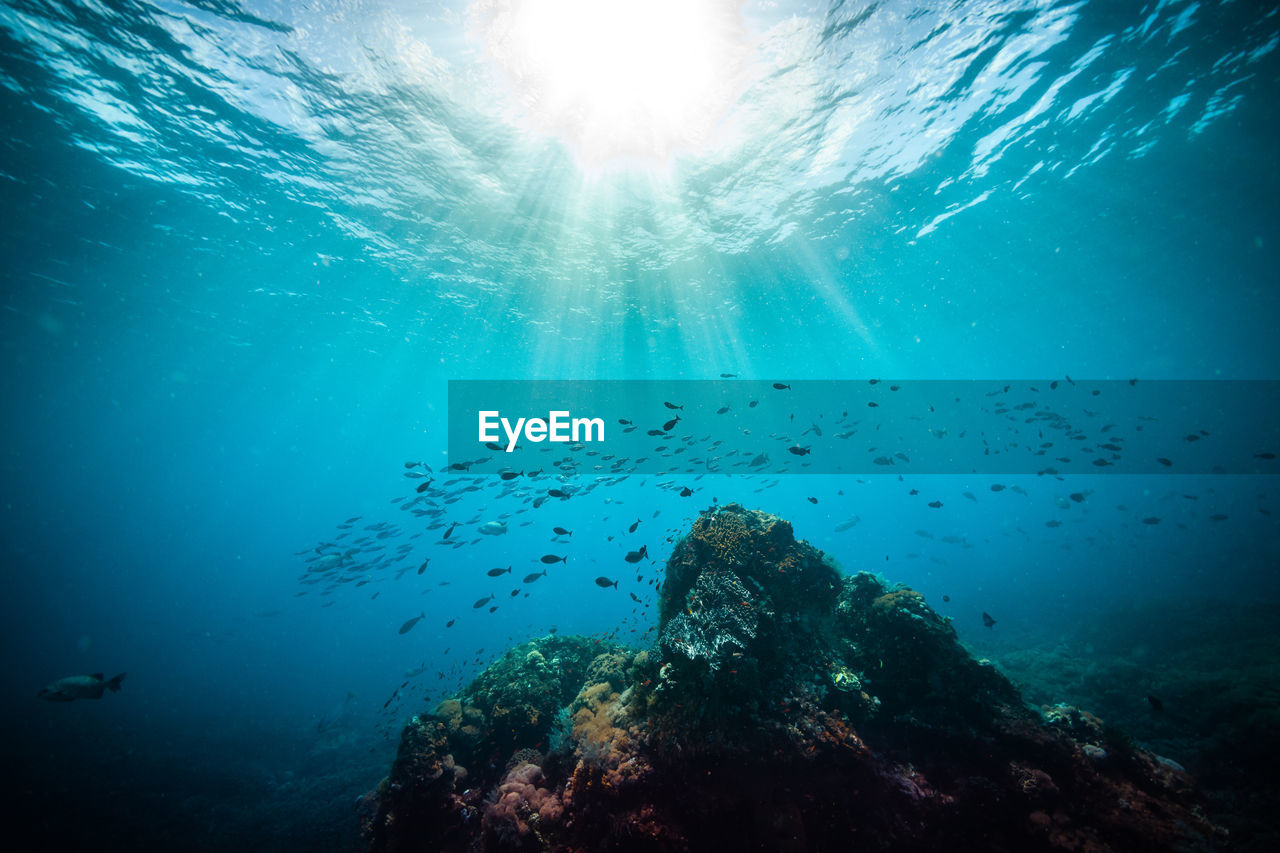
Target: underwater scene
{"x": 640, "y": 425}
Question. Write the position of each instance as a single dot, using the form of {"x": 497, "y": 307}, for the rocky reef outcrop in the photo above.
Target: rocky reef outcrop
{"x": 784, "y": 706}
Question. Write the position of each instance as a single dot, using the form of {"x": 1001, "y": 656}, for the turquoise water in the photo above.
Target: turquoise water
{"x": 247, "y": 245}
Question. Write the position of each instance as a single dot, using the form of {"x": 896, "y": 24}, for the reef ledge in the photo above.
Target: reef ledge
{"x": 784, "y": 706}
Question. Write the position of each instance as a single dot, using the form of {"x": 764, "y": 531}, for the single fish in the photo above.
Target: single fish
{"x": 408, "y": 626}
{"x": 560, "y": 531}
{"x": 75, "y": 687}
{"x": 632, "y": 528}
{"x": 798, "y": 450}
{"x": 686, "y": 492}
{"x": 987, "y": 620}
{"x": 670, "y": 425}
{"x": 552, "y": 558}
{"x": 510, "y": 475}
{"x": 778, "y": 386}
{"x": 637, "y": 556}
{"x": 482, "y": 602}
{"x": 533, "y": 577}
{"x": 493, "y": 528}
{"x": 673, "y": 406}
{"x": 605, "y": 583}
{"x": 493, "y": 573}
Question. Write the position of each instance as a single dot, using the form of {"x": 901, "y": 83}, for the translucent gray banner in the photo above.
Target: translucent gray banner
{"x": 738, "y": 426}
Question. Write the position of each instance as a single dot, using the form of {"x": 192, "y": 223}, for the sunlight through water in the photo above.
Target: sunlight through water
{"x": 634, "y": 79}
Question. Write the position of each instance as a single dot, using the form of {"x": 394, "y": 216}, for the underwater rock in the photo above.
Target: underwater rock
{"x": 784, "y": 706}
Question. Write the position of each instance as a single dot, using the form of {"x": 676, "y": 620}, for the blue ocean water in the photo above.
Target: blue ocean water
{"x": 246, "y": 245}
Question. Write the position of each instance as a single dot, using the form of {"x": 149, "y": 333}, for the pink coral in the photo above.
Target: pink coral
{"x": 522, "y": 804}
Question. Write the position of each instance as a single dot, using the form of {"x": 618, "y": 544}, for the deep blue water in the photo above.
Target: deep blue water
{"x": 245, "y": 246}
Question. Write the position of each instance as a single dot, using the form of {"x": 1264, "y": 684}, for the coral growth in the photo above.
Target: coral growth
{"x": 783, "y": 706}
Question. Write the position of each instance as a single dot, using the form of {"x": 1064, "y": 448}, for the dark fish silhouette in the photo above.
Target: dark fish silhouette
{"x": 987, "y": 620}
{"x": 1164, "y": 462}
{"x": 76, "y": 687}
{"x": 624, "y": 422}
{"x": 813, "y": 500}
{"x": 449, "y": 532}
{"x": 509, "y": 475}
{"x": 557, "y": 493}
{"x": 686, "y": 492}
{"x": 635, "y": 598}
{"x": 552, "y": 558}
{"x": 632, "y": 528}
{"x": 672, "y": 406}
{"x": 605, "y": 583}
{"x": 637, "y": 556}
{"x": 1155, "y": 702}
{"x": 722, "y": 410}
{"x": 482, "y": 602}
{"x": 669, "y": 425}
{"x": 996, "y": 487}
{"x": 493, "y": 573}
{"x": 935, "y": 504}
{"x": 449, "y": 624}
{"x": 533, "y": 577}
{"x": 946, "y": 598}
{"x": 423, "y": 567}
{"x": 753, "y": 404}
{"x": 408, "y": 626}
{"x": 798, "y": 450}
{"x": 560, "y": 531}
{"x": 780, "y": 387}
{"x": 728, "y": 376}
{"x": 655, "y": 432}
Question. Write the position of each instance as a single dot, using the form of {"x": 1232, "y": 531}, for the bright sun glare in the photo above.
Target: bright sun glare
{"x": 618, "y": 79}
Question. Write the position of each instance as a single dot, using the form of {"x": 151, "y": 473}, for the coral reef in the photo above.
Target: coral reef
{"x": 784, "y": 706}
